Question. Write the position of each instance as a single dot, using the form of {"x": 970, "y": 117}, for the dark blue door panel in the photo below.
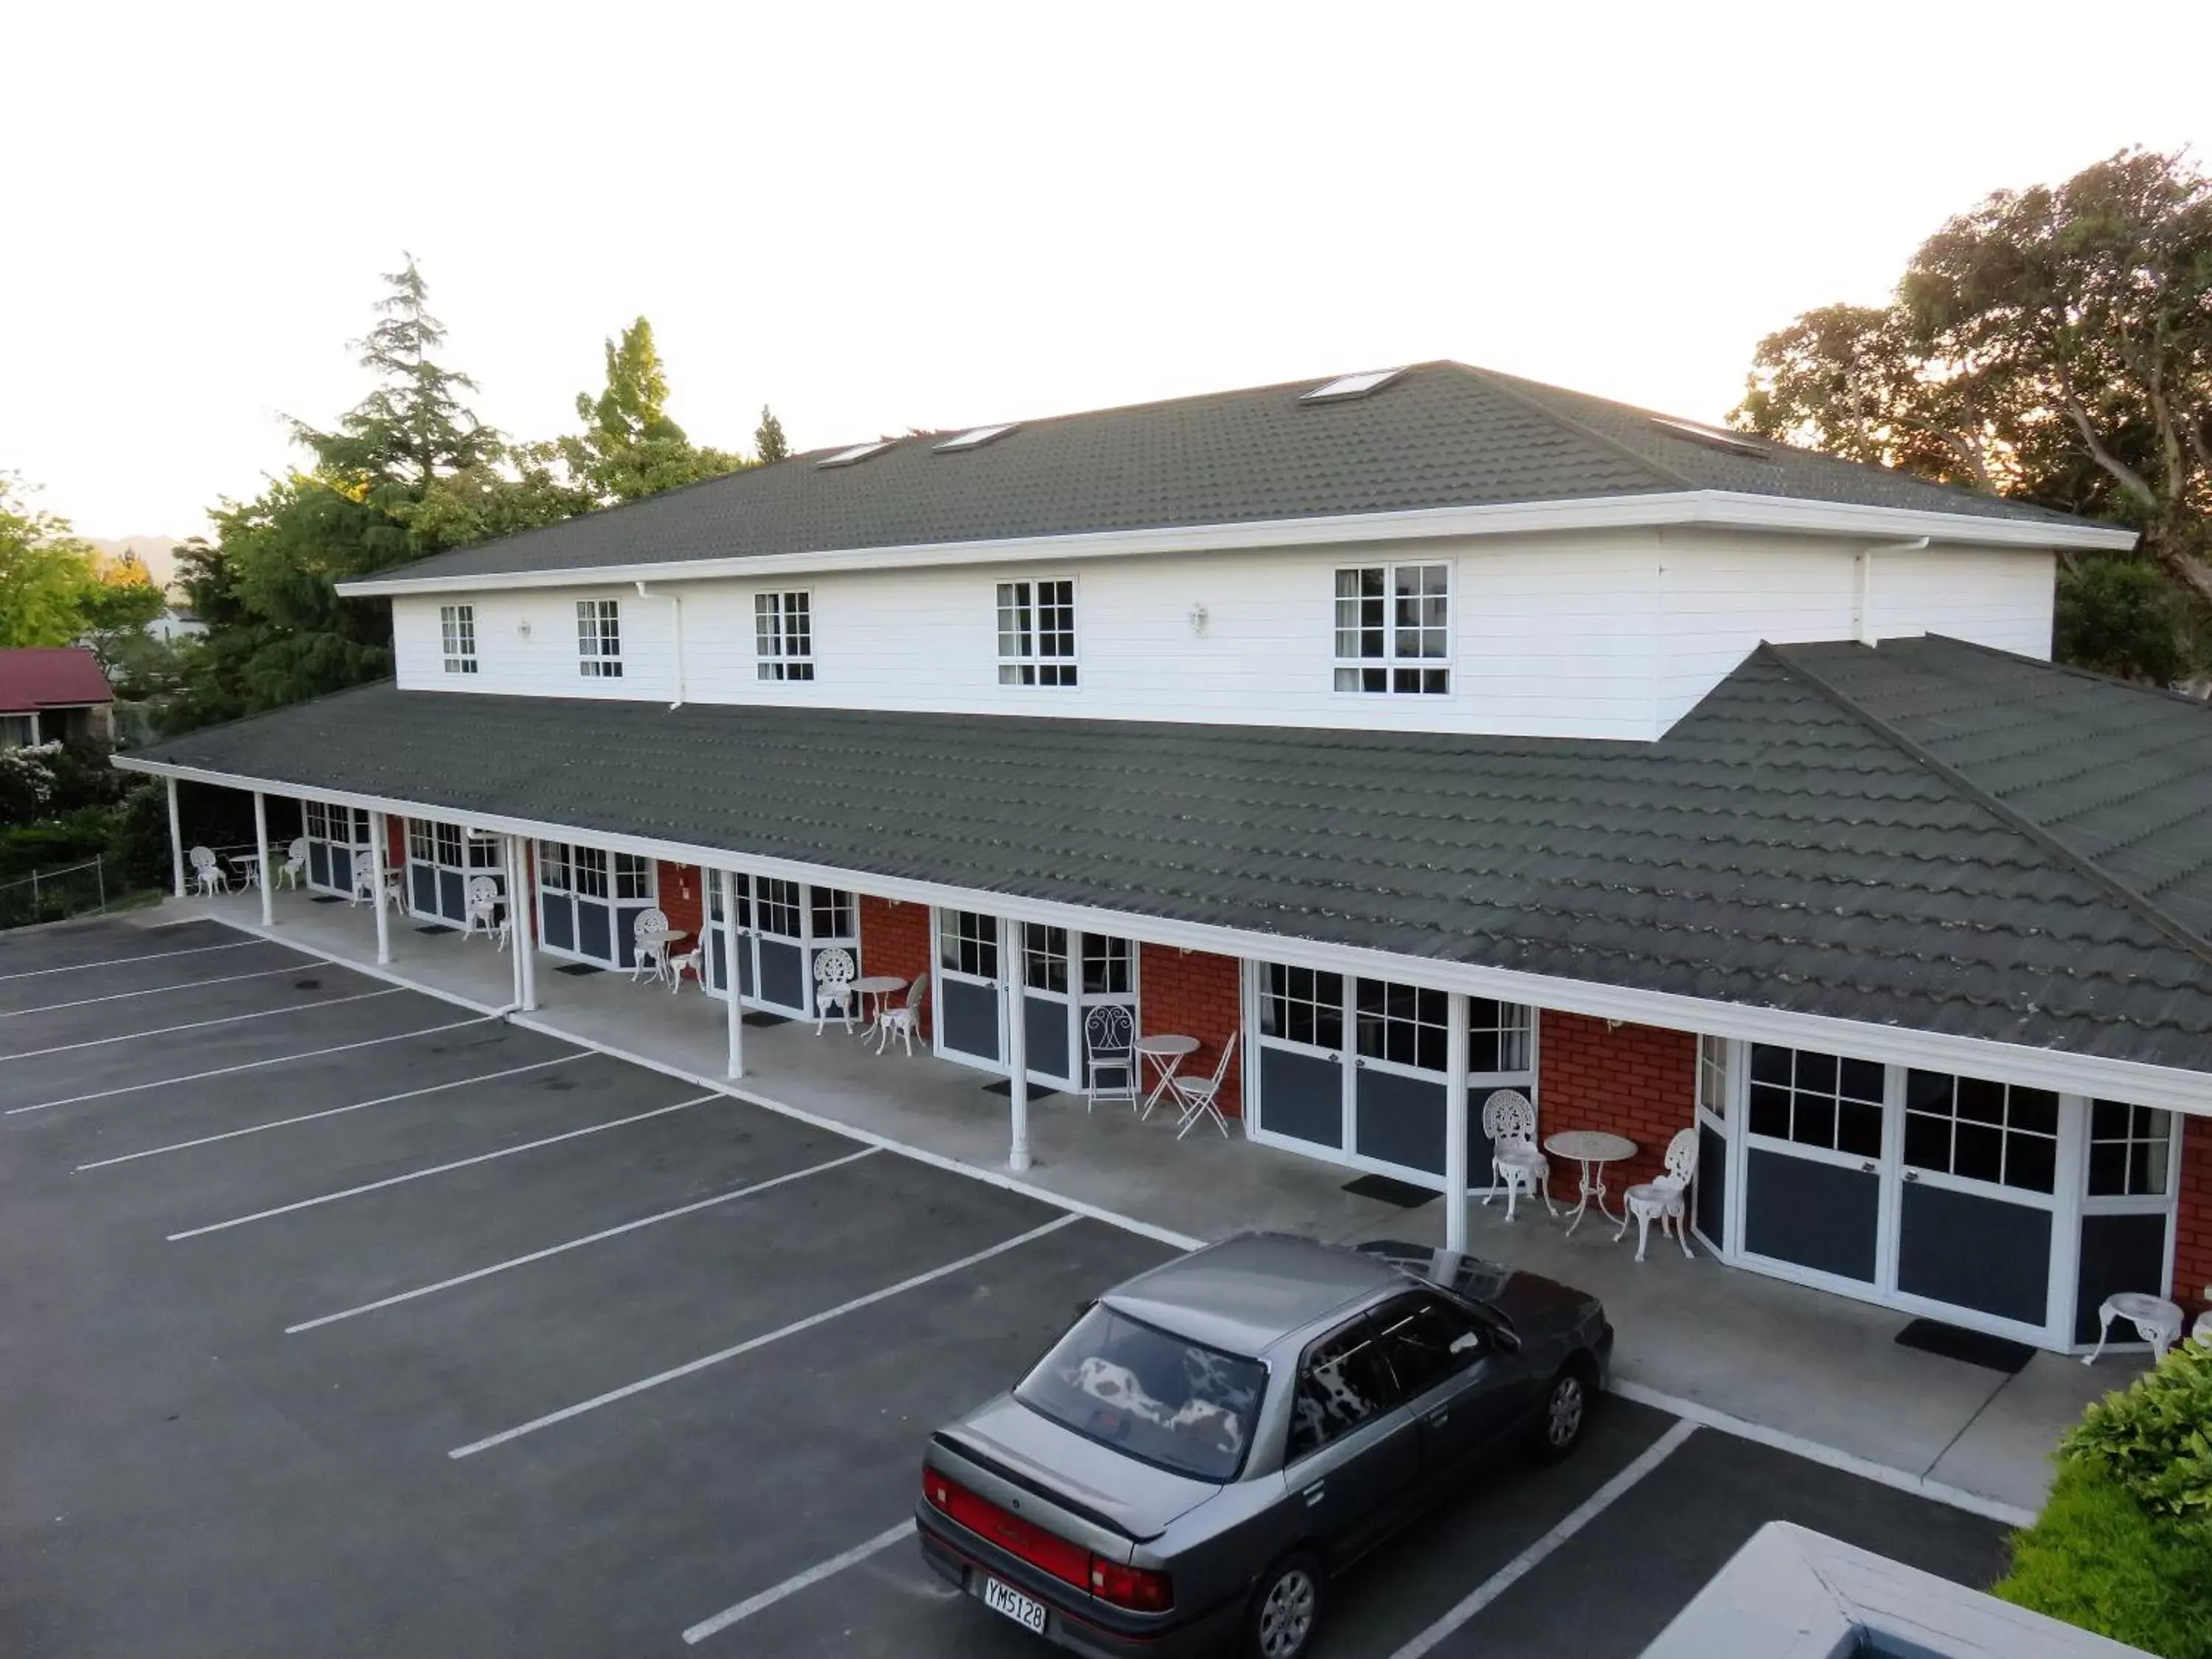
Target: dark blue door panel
{"x": 1301, "y": 1096}
{"x": 1822, "y": 1216}
{"x": 1044, "y": 1029}
{"x": 1399, "y": 1120}
{"x": 971, "y": 1018}
{"x": 783, "y": 975}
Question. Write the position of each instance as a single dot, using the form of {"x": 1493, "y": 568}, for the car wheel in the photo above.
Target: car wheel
{"x": 1565, "y": 1415}
{"x": 1286, "y": 1609}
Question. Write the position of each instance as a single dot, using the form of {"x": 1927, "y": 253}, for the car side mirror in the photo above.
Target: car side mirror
{"x": 1466, "y": 1342}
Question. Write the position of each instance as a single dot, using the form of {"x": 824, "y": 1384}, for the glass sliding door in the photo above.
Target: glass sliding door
{"x": 780, "y": 928}
{"x": 972, "y": 989}
{"x": 337, "y": 836}
{"x": 442, "y": 859}
{"x": 589, "y": 900}
{"x": 1065, "y": 975}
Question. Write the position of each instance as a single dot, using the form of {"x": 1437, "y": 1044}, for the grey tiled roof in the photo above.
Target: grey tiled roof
{"x": 1778, "y": 849}
{"x": 1442, "y": 435}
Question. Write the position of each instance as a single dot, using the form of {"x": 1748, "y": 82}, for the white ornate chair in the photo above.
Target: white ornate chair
{"x": 1663, "y": 1198}
{"x": 834, "y": 970}
{"x": 1200, "y": 1097}
{"x": 649, "y": 944}
{"x": 904, "y": 1022}
{"x": 691, "y": 962}
{"x": 1109, "y": 1048}
{"x": 207, "y": 872}
{"x": 484, "y": 902}
{"x": 295, "y": 862}
{"x": 1516, "y": 1163}
{"x": 364, "y": 879}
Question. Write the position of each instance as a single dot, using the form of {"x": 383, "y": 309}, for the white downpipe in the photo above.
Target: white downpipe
{"x": 675, "y": 600}
{"x": 176, "y": 842}
{"x": 376, "y": 888}
{"x": 261, "y": 851}
{"x": 1455, "y": 1123}
{"x": 1862, "y": 628}
{"x": 733, "y": 1009}
{"x": 1016, "y": 971}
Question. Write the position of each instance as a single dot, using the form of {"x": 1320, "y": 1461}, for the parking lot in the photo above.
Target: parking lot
{"x": 342, "y": 1319}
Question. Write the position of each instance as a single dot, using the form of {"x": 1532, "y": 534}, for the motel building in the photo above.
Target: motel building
{"x": 1430, "y": 732}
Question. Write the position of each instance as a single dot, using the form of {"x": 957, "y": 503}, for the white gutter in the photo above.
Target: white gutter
{"x": 675, "y": 600}
{"x": 1721, "y": 509}
{"x": 2168, "y": 1087}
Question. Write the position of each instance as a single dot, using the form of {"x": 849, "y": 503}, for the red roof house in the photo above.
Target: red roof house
{"x": 52, "y": 691}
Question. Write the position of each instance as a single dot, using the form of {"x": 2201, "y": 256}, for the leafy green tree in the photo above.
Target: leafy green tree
{"x": 47, "y": 575}
{"x": 769, "y": 444}
{"x": 2117, "y": 616}
{"x": 630, "y": 448}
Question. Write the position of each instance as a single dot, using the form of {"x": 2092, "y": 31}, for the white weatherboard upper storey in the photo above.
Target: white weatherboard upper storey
{"x": 1592, "y": 634}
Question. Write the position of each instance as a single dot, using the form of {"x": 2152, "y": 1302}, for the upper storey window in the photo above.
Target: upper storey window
{"x": 456, "y": 634}
{"x": 598, "y": 639}
{"x": 1394, "y": 628}
{"x": 1036, "y": 632}
{"x": 783, "y": 635}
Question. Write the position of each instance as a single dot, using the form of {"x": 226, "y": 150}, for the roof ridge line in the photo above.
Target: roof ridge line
{"x": 1497, "y": 383}
{"x": 2079, "y": 862}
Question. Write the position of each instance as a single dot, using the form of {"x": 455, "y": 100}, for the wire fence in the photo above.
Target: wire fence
{"x": 73, "y": 890}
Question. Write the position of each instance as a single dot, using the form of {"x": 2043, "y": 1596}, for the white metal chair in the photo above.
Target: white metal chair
{"x": 364, "y": 880}
{"x": 1109, "y": 1037}
{"x": 483, "y": 911}
{"x": 1200, "y": 1097}
{"x": 295, "y": 862}
{"x": 691, "y": 962}
{"x": 1516, "y": 1163}
{"x": 834, "y": 970}
{"x": 2157, "y": 1322}
{"x": 1662, "y": 1198}
{"x": 904, "y": 1022}
{"x": 207, "y": 872}
{"x": 649, "y": 937}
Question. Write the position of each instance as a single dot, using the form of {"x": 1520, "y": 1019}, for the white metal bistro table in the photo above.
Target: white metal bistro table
{"x": 1592, "y": 1149}
{"x": 1167, "y": 1052}
{"x": 249, "y": 867}
{"x": 882, "y": 988}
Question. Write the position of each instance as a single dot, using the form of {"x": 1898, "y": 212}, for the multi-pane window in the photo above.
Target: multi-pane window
{"x": 778, "y": 903}
{"x": 1036, "y": 632}
{"x": 741, "y": 886}
{"x": 1044, "y": 958}
{"x": 835, "y": 915}
{"x": 483, "y": 852}
{"x": 968, "y": 943}
{"x": 783, "y": 635}
{"x": 1982, "y": 1131}
{"x": 632, "y": 877}
{"x": 1300, "y": 1005}
{"x": 1108, "y": 966}
{"x": 457, "y": 634}
{"x": 1406, "y": 1025}
{"x": 1394, "y": 628}
{"x": 598, "y": 639}
{"x": 553, "y": 866}
{"x": 325, "y": 823}
{"x": 1500, "y": 1035}
{"x": 587, "y": 873}
{"x": 2130, "y": 1149}
{"x": 1712, "y": 1076}
{"x": 422, "y": 841}
{"x": 449, "y": 845}
{"x": 1816, "y": 1100}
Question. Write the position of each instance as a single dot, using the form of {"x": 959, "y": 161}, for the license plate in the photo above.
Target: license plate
{"x": 1003, "y": 1598}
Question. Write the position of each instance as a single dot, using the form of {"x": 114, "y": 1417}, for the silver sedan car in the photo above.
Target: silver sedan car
{"x": 1213, "y": 1441}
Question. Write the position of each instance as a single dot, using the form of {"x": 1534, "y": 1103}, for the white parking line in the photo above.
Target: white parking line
{"x": 244, "y": 1066}
{"x": 334, "y": 1111}
{"x": 1530, "y": 1559}
{"x": 798, "y": 1582}
{"x": 201, "y": 1024}
{"x": 760, "y": 1341}
{"x": 151, "y": 991}
{"x": 119, "y": 962}
{"x": 434, "y": 1169}
{"x": 579, "y": 1244}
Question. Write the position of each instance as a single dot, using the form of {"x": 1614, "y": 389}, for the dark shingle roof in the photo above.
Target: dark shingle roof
{"x": 1779, "y": 847}
{"x": 1442, "y": 435}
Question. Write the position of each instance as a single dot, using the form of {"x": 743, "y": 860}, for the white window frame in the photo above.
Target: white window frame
{"x": 1348, "y": 674}
{"x": 598, "y": 639}
{"x": 457, "y": 637}
{"x": 783, "y": 651}
{"x": 1019, "y": 599}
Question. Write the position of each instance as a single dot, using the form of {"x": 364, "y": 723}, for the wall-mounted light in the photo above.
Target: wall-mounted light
{"x": 1199, "y": 619}
{"x": 523, "y": 628}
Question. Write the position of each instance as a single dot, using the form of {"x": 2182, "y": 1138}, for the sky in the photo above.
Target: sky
{"x": 873, "y": 218}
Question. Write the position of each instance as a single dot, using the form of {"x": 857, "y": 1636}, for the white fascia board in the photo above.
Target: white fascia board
{"x": 1717, "y": 509}
{"x": 2167, "y": 1087}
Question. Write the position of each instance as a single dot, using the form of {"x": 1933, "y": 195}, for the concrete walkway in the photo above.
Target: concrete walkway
{"x": 1794, "y": 1365}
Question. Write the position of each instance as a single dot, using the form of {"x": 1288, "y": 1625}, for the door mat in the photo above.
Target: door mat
{"x": 1037, "y": 1091}
{"x": 436, "y": 927}
{"x": 577, "y": 970}
{"x": 324, "y": 898}
{"x": 1971, "y": 1347}
{"x": 1403, "y": 1193}
{"x": 762, "y": 1022}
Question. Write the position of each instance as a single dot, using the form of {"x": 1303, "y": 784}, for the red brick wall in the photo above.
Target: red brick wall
{"x": 683, "y": 900}
{"x": 1197, "y": 994}
{"x": 895, "y": 939}
{"x": 1635, "y": 1080}
{"x": 2192, "y": 1248}
{"x": 395, "y": 841}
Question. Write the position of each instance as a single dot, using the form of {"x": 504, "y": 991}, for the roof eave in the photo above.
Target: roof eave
{"x": 1725, "y": 510}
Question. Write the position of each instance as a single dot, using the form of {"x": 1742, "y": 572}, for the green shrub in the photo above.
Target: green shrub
{"x": 2097, "y": 1558}
{"x": 50, "y": 842}
{"x": 2155, "y": 1440}
{"x": 138, "y": 837}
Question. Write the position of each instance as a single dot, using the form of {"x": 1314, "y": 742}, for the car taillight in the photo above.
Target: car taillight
{"x": 1141, "y": 1590}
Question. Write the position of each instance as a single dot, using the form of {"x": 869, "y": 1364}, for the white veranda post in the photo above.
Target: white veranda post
{"x": 733, "y": 1009}
{"x": 522, "y": 924}
{"x": 176, "y": 842}
{"x": 261, "y": 853}
{"x": 1455, "y": 1124}
{"x": 511, "y": 865}
{"x": 376, "y": 886}
{"x": 1015, "y": 958}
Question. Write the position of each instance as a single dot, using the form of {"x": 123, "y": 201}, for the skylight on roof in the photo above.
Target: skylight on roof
{"x": 857, "y": 452}
{"x": 1713, "y": 436}
{"x": 976, "y": 437}
{"x": 1345, "y": 388}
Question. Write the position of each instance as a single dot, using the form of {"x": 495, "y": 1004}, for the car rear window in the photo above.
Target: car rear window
{"x": 1157, "y": 1397}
